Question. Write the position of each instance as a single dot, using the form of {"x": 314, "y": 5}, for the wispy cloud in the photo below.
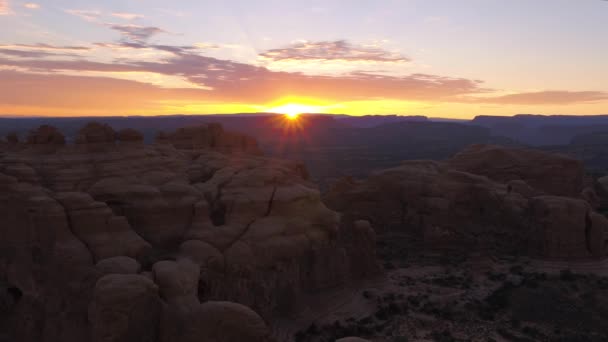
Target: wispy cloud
{"x": 339, "y": 50}
{"x": 137, "y": 33}
{"x": 46, "y": 47}
{"x": 226, "y": 79}
{"x": 4, "y": 7}
{"x": 31, "y": 5}
{"x": 40, "y": 50}
{"x": 548, "y": 97}
{"x": 126, "y": 16}
{"x": 88, "y": 15}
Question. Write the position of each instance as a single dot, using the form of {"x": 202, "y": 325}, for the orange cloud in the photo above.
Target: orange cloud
{"x": 28, "y": 79}
{"x": 4, "y": 7}
{"x": 548, "y": 97}
{"x": 31, "y": 5}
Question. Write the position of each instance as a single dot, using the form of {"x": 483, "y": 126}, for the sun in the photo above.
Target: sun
{"x": 293, "y": 110}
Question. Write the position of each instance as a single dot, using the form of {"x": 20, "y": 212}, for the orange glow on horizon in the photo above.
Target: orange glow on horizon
{"x": 292, "y": 110}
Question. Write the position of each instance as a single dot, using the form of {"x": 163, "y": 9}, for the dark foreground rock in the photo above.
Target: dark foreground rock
{"x": 114, "y": 240}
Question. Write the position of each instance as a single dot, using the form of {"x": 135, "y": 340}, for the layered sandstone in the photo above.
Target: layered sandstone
{"x": 109, "y": 237}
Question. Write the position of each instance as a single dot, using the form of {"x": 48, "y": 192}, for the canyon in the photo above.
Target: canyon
{"x": 198, "y": 236}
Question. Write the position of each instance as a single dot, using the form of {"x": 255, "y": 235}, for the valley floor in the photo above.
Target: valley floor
{"x": 431, "y": 298}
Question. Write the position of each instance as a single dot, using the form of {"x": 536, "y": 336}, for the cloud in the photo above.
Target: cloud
{"x": 40, "y": 50}
{"x": 137, "y": 33}
{"x": 208, "y": 46}
{"x": 127, "y": 16}
{"x": 4, "y": 7}
{"x": 31, "y": 5}
{"x": 46, "y": 94}
{"x": 228, "y": 80}
{"x": 548, "y": 97}
{"x": 225, "y": 80}
{"x": 46, "y": 47}
{"x": 88, "y": 15}
{"x": 26, "y": 53}
{"x": 339, "y": 50}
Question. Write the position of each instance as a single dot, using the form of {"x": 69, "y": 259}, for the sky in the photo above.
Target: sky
{"x": 440, "y": 58}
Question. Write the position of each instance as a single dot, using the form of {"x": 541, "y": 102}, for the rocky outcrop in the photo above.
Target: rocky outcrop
{"x": 447, "y": 209}
{"x": 45, "y": 135}
{"x": 209, "y": 136}
{"x": 96, "y": 133}
{"x": 135, "y": 234}
{"x": 129, "y": 135}
{"x": 125, "y": 308}
{"x": 551, "y": 173}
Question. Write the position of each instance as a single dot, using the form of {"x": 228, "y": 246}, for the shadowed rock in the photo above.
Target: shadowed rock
{"x": 145, "y": 236}
{"x": 129, "y": 135}
{"x": 45, "y": 135}
{"x": 551, "y": 173}
{"x": 448, "y": 209}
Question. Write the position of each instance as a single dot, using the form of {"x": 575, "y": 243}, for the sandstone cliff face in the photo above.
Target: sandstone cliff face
{"x": 446, "y": 208}
{"x": 108, "y": 240}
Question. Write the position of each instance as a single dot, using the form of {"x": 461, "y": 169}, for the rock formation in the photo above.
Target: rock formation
{"x": 115, "y": 242}
{"x": 446, "y": 208}
{"x": 551, "y": 173}
{"x": 209, "y": 136}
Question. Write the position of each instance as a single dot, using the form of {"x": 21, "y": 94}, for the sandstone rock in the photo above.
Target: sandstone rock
{"x": 118, "y": 265}
{"x": 351, "y": 339}
{"x": 597, "y": 235}
{"x": 209, "y": 136}
{"x": 562, "y": 223}
{"x": 105, "y": 234}
{"x": 45, "y": 135}
{"x": 551, "y": 173}
{"x": 125, "y": 308}
{"x": 12, "y": 138}
{"x": 591, "y": 197}
{"x": 603, "y": 183}
{"x": 458, "y": 210}
{"x": 129, "y": 135}
{"x": 178, "y": 281}
{"x": 96, "y": 133}
{"x": 203, "y": 225}
{"x": 202, "y": 254}
{"x": 226, "y": 322}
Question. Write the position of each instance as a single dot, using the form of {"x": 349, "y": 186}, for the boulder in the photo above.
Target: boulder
{"x": 125, "y": 308}
{"x": 226, "y": 322}
{"x": 118, "y": 265}
{"x": 178, "y": 281}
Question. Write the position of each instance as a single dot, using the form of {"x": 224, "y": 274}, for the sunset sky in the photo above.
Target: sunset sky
{"x": 442, "y": 58}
